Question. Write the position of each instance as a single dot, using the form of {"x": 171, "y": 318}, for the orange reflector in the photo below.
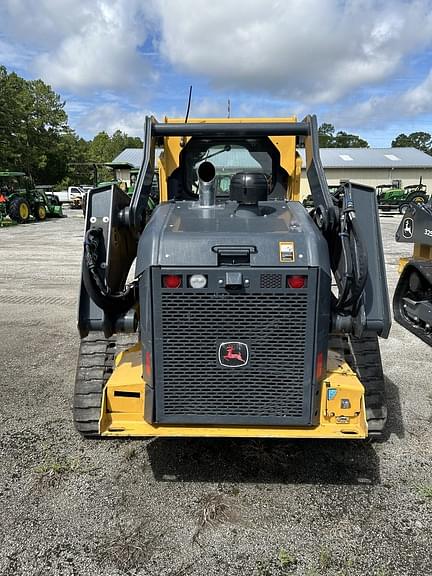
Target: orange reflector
{"x": 319, "y": 366}
{"x": 148, "y": 364}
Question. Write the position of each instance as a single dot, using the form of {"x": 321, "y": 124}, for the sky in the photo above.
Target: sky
{"x": 364, "y": 66}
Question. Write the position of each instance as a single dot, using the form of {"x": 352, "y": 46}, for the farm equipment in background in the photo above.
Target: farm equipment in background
{"x": 53, "y": 206}
{"x": 21, "y": 200}
{"x": 54, "y": 210}
{"x": 308, "y": 202}
{"x": 3, "y": 208}
{"x": 230, "y": 326}
{"x": 392, "y": 197}
{"x": 412, "y": 302}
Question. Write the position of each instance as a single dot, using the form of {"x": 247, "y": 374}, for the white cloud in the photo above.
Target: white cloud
{"x": 109, "y": 118}
{"x": 44, "y": 23}
{"x": 14, "y": 55}
{"x": 418, "y": 100}
{"x": 83, "y": 45}
{"x": 307, "y": 50}
{"x": 271, "y": 57}
{"x": 380, "y": 111}
{"x": 209, "y": 108}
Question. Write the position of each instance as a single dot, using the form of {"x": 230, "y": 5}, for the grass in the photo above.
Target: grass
{"x": 57, "y": 467}
{"x": 130, "y": 453}
{"x": 325, "y": 559}
{"x": 215, "y": 508}
{"x": 425, "y": 491}
{"x": 286, "y": 560}
{"x": 382, "y": 572}
{"x": 283, "y": 565}
{"x": 54, "y": 468}
{"x": 130, "y": 548}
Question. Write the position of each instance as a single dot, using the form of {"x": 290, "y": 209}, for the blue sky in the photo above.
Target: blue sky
{"x": 363, "y": 65}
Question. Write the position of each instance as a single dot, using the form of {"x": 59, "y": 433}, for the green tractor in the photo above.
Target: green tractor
{"x": 391, "y": 196}
{"x": 20, "y": 200}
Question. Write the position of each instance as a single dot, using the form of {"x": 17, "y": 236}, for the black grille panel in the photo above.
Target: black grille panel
{"x": 192, "y": 385}
{"x": 271, "y": 281}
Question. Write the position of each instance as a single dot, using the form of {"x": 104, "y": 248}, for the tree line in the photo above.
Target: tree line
{"x": 328, "y": 138}
{"x": 35, "y": 136}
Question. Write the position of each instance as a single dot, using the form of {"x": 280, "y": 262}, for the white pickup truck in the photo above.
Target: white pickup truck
{"x": 67, "y": 196}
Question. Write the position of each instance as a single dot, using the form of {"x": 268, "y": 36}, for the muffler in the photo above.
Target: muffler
{"x": 206, "y": 184}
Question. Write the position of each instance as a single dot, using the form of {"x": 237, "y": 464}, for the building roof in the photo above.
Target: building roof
{"x": 129, "y": 157}
{"x": 373, "y": 158}
{"x": 330, "y": 158}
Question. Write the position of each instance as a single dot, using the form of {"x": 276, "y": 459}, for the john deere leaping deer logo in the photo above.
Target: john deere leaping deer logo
{"x": 408, "y": 228}
{"x": 233, "y": 354}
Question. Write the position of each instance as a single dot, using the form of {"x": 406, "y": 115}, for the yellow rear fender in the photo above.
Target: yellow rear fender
{"x": 341, "y": 412}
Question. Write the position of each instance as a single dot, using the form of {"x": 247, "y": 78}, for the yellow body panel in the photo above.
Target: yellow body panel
{"x": 420, "y": 252}
{"x": 123, "y": 415}
{"x": 289, "y": 159}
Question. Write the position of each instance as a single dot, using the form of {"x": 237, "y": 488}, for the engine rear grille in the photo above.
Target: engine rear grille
{"x": 271, "y": 281}
{"x": 192, "y": 386}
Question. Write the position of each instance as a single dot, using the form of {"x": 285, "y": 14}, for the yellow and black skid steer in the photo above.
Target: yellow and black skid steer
{"x": 412, "y": 301}
{"x": 245, "y": 315}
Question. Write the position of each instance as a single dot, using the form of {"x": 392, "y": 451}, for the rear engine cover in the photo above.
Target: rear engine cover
{"x": 235, "y": 356}
{"x": 244, "y": 347}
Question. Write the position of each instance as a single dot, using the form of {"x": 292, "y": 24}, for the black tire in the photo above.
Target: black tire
{"x": 417, "y": 198}
{"x": 19, "y": 210}
{"x": 364, "y": 358}
{"x": 95, "y": 366}
{"x": 403, "y": 207}
{"x": 40, "y": 212}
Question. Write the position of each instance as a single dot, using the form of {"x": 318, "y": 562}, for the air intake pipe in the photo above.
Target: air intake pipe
{"x": 206, "y": 184}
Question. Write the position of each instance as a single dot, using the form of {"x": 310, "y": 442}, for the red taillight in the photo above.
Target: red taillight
{"x": 296, "y": 281}
{"x": 172, "y": 281}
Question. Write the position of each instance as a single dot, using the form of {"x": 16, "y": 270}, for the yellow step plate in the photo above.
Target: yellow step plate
{"x": 342, "y": 409}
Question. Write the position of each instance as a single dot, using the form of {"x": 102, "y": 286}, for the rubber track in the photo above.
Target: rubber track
{"x": 95, "y": 366}
{"x": 364, "y": 358}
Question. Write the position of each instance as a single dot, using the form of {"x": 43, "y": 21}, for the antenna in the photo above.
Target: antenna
{"x": 188, "y": 104}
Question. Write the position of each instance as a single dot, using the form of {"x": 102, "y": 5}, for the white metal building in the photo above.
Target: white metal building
{"x": 373, "y": 166}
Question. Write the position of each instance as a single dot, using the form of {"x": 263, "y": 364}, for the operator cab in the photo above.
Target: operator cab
{"x": 229, "y": 157}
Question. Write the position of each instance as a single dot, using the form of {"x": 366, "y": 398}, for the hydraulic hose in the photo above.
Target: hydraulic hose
{"x": 99, "y": 292}
{"x": 352, "y": 258}
{"x": 359, "y": 261}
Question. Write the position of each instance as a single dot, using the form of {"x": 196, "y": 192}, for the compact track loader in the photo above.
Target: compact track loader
{"x": 228, "y": 309}
{"x": 412, "y": 302}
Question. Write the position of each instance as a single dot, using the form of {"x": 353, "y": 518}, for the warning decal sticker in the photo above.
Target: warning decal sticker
{"x": 286, "y": 251}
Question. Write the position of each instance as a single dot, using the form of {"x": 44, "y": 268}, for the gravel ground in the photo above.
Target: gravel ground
{"x": 192, "y": 507}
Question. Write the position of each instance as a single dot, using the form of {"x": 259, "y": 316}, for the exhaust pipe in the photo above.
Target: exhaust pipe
{"x": 206, "y": 184}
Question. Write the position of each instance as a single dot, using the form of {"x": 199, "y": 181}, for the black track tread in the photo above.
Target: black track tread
{"x": 14, "y": 210}
{"x": 364, "y": 358}
{"x": 95, "y": 366}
